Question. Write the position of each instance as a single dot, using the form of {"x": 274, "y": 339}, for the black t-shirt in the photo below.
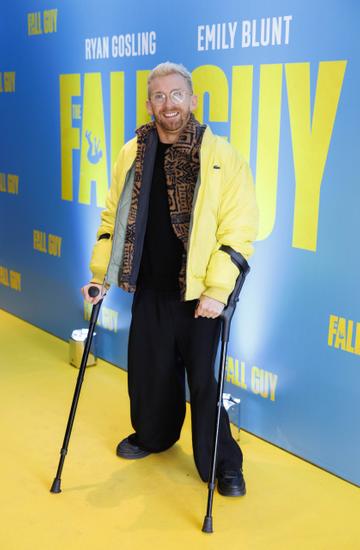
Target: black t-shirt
{"x": 162, "y": 251}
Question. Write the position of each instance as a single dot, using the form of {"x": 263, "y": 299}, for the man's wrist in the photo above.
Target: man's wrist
{"x": 217, "y": 294}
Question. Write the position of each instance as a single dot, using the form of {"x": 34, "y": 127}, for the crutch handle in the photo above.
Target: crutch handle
{"x": 93, "y": 291}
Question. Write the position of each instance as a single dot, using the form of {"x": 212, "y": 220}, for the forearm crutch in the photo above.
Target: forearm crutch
{"x": 226, "y": 318}
{"x": 93, "y": 292}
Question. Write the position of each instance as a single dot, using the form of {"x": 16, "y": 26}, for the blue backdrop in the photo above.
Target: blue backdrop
{"x": 282, "y": 85}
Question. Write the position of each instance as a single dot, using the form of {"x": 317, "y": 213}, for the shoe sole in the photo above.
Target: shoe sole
{"x": 130, "y": 456}
{"x": 232, "y": 492}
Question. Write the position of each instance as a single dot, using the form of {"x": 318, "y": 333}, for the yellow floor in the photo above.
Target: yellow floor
{"x": 158, "y": 502}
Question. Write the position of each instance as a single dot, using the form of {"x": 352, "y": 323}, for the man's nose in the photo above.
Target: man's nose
{"x": 168, "y": 101}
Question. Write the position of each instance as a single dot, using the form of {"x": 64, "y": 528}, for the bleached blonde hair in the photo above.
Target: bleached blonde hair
{"x": 166, "y": 68}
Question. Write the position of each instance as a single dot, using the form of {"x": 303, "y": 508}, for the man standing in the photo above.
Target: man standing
{"x": 178, "y": 194}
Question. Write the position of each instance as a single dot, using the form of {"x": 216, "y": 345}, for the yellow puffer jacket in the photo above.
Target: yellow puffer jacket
{"x": 224, "y": 212}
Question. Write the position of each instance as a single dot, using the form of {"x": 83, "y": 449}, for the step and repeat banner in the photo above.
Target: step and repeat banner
{"x": 281, "y": 83}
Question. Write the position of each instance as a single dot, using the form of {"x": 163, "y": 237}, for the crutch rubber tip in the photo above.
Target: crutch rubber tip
{"x": 55, "y": 487}
{"x": 207, "y": 525}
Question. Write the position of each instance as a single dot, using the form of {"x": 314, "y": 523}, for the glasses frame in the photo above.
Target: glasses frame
{"x": 165, "y": 96}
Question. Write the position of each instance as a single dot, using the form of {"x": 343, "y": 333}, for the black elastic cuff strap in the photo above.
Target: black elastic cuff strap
{"x": 104, "y": 236}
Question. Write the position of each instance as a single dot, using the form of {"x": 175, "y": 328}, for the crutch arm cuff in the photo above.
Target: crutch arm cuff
{"x": 237, "y": 258}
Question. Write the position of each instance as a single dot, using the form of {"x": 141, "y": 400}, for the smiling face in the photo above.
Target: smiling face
{"x": 170, "y": 118}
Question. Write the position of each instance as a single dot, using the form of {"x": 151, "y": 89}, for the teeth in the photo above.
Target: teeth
{"x": 170, "y": 115}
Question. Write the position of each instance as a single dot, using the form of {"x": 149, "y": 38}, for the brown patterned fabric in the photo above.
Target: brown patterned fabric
{"x": 182, "y": 165}
{"x": 129, "y": 246}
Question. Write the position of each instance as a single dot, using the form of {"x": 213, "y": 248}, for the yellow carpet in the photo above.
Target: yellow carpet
{"x": 158, "y": 502}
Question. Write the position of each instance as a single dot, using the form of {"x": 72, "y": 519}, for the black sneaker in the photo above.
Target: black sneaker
{"x": 127, "y": 449}
{"x": 231, "y": 483}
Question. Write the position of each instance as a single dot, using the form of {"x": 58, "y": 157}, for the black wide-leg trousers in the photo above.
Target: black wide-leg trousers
{"x": 165, "y": 339}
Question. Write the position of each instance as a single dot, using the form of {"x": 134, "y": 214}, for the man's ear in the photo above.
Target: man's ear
{"x": 193, "y": 102}
{"x": 149, "y": 107}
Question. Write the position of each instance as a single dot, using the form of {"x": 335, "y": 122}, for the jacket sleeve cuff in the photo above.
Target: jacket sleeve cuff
{"x": 97, "y": 279}
{"x": 217, "y": 293}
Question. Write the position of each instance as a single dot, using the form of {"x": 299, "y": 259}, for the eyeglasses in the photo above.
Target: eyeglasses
{"x": 176, "y": 96}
